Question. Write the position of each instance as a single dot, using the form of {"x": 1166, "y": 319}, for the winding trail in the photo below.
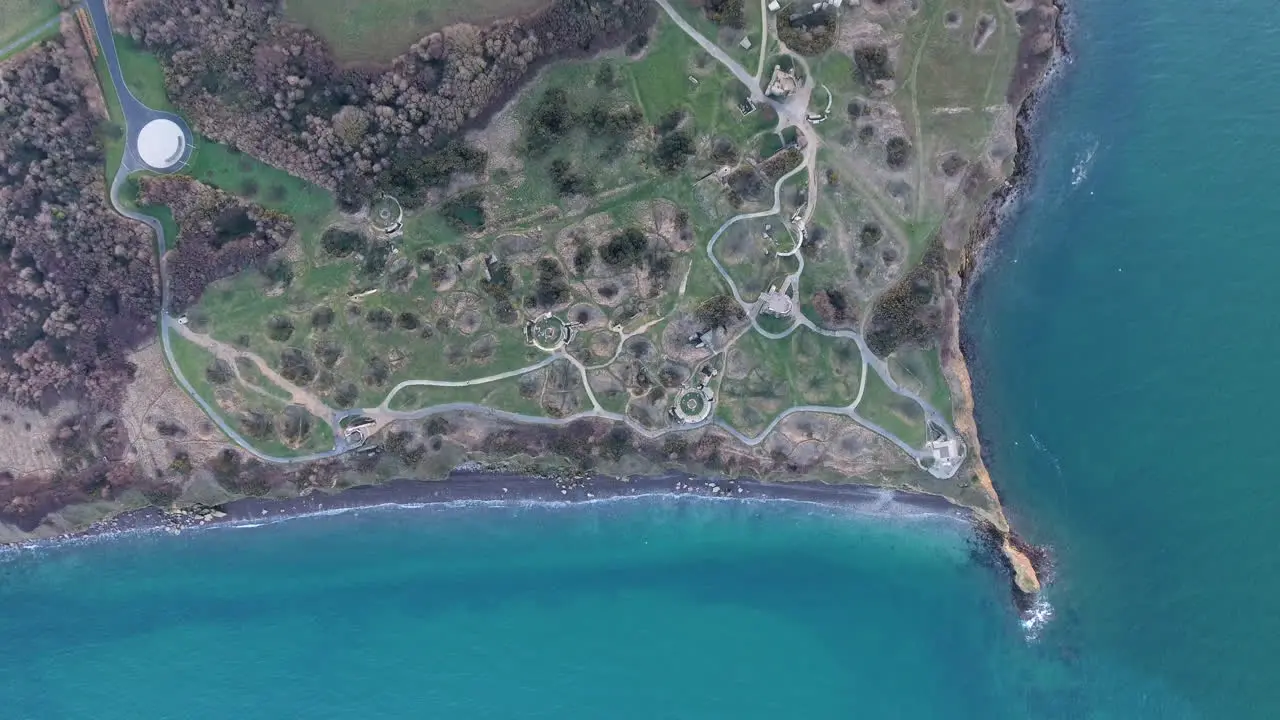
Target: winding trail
{"x": 793, "y": 112}
{"x": 136, "y": 116}
{"x": 790, "y": 111}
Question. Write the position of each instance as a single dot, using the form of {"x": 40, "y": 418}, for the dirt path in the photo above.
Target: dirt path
{"x": 228, "y": 354}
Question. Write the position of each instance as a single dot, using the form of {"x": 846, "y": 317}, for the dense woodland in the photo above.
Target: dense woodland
{"x": 221, "y": 234}
{"x": 78, "y": 287}
{"x": 247, "y": 77}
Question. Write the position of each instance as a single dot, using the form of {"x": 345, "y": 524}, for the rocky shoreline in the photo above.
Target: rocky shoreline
{"x": 1027, "y": 564}
{"x": 477, "y": 486}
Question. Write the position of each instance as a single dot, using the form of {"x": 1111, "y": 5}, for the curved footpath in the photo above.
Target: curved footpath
{"x": 137, "y": 115}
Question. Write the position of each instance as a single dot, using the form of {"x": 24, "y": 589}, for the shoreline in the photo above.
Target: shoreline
{"x": 1025, "y": 563}
{"x": 471, "y": 486}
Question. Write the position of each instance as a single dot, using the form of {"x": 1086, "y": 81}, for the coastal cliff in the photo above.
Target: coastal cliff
{"x": 1041, "y": 49}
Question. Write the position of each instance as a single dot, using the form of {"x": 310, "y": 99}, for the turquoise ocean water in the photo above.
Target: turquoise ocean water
{"x": 1126, "y": 346}
{"x": 1124, "y": 342}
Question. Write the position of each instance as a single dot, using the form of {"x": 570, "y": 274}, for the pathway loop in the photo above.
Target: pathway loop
{"x": 790, "y": 113}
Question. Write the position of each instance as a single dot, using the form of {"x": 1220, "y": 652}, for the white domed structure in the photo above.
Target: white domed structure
{"x": 161, "y": 143}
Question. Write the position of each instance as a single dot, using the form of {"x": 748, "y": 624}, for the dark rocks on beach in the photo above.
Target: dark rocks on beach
{"x": 987, "y": 550}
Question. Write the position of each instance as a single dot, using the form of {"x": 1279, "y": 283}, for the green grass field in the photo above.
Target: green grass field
{"x": 453, "y": 331}
{"x": 144, "y": 74}
{"x": 921, "y": 370}
{"x": 129, "y": 197}
{"x": 111, "y": 132}
{"x": 194, "y": 360}
{"x": 19, "y": 17}
{"x": 895, "y": 413}
{"x": 239, "y": 174}
{"x": 379, "y": 31}
{"x": 500, "y": 395}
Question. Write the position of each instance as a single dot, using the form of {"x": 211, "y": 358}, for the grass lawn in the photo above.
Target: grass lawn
{"x": 129, "y": 197}
{"x": 144, "y": 74}
{"x": 825, "y": 370}
{"x": 751, "y": 403}
{"x": 895, "y": 413}
{"x": 242, "y": 175}
{"x": 18, "y": 17}
{"x": 193, "y": 360}
{"x": 921, "y": 370}
{"x": 728, "y": 38}
{"x": 379, "y": 31}
{"x": 500, "y": 395}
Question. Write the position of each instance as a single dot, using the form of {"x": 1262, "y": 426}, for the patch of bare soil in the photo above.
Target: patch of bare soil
{"x": 517, "y": 250}
{"x": 859, "y": 30}
{"x": 602, "y": 345}
{"x": 444, "y": 275}
{"x": 562, "y": 393}
{"x": 669, "y": 221}
{"x": 650, "y": 409}
{"x": 483, "y": 349}
{"x": 464, "y": 310}
{"x": 162, "y": 421}
{"x": 605, "y": 385}
{"x": 24, "y": 437}
{"x": 835, "y": 443}
{"x": 676, "y": 344}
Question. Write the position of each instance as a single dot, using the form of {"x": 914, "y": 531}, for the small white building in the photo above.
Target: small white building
{"x": 774, "y": 6}
{"x": 745, "y": 44}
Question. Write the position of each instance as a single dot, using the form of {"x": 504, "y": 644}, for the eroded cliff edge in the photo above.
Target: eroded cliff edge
{"x": 1041, "y": 50}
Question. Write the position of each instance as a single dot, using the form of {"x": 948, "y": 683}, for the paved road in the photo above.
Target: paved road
{"x": 30, "y": 37}
{"x": 719, "y": 54}
{"x": 797, "y": 114}
{"x": 167, "y": 324}
{"x": 136, "y": 113}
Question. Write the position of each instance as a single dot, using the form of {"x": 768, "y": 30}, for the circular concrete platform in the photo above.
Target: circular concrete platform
{"x": 161, "y": 143}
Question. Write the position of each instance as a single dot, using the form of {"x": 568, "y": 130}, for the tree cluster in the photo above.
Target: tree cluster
{"x": 554, "y": 121}
{"x": 720, "y": 311}
{"x": 897, "y": 152}
{"x": 811, "y": 33}
{"x": 781, "y": 163}
{"x": 726, "y": 12}
{"x": 872, "y": 65}
{"x": 78, "y": 287}
{"x": 221, "y": 234}
{"x": 625, "y": 249}
{"x": 551, "y": 288}
{"x": 673, "y": 151}
{"x": 910, "y": 313}
{"x": 247, "y": 77}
